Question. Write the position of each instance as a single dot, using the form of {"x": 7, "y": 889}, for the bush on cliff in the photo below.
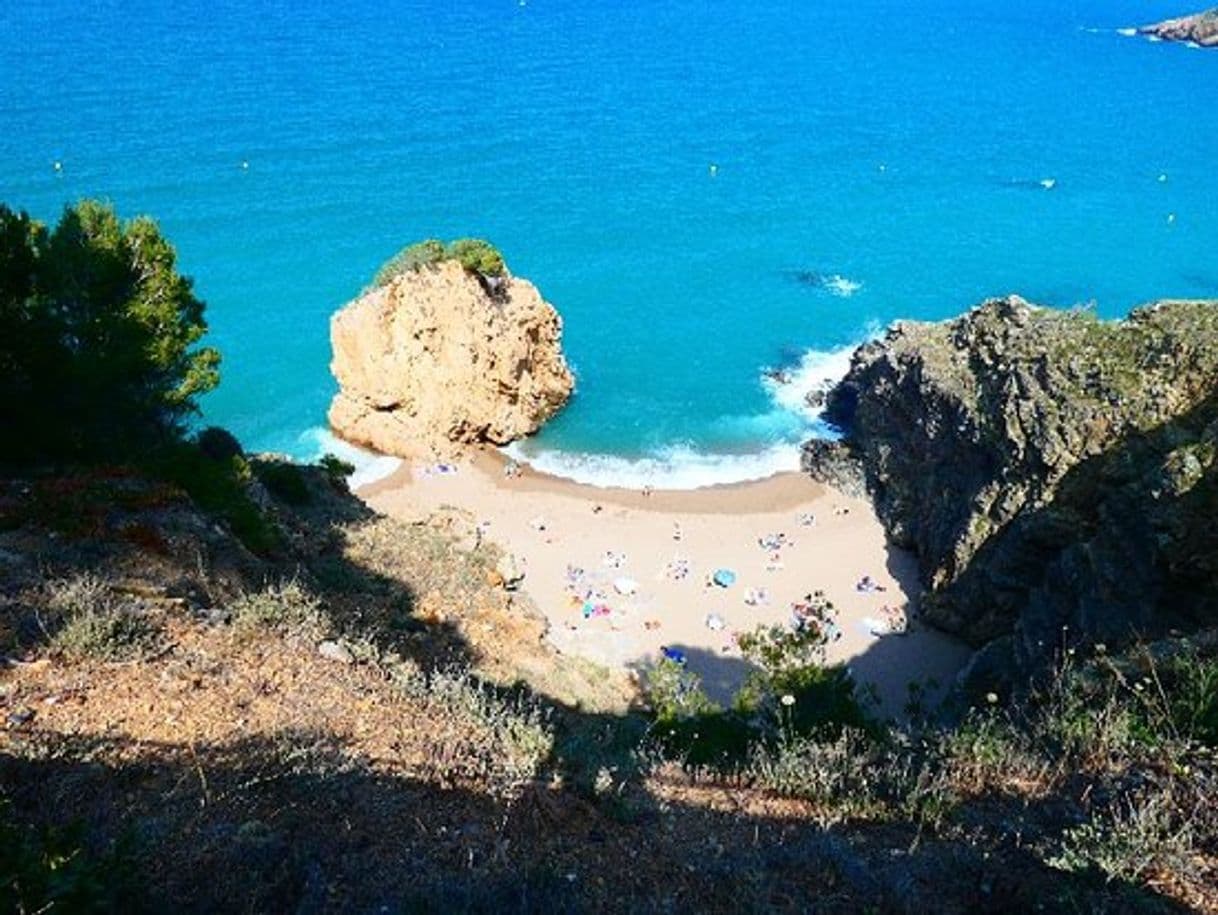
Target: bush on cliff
{"x": 474, "y": 254}
{"x": 98, "y": 337}
{"x": 409, "y": 259}
{"x": 477, "y": 255}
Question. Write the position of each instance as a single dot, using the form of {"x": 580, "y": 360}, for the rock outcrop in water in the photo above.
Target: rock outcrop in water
{"x": 438, "y": 357}
{"x": 1049, "y": 470}
{"x": 1199, "y": 28}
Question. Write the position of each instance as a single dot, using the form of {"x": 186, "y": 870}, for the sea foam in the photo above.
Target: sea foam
{"x": 686, "y": 467}
{"x": 817, "y": 371}
{"x": 676, "y": 467}
{"x": 842, "y": 286}
{"x": 369, "y": 466}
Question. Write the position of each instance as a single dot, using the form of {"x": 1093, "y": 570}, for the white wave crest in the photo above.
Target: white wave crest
{"x": 816, "y": 373}
{"x": 841, "y": 286}
{"x": 1128, "y": 33}
{"x": 369, "y": 466}
{"x": 793, "y": 419}
{"x": 678, "y": 467}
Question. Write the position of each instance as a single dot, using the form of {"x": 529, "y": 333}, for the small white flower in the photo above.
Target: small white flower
{"x": 787, "y": 699}
{"x": 991, "y": 698}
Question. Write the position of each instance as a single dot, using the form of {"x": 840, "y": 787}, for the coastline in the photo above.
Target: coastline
{"x": 642, "y": 564}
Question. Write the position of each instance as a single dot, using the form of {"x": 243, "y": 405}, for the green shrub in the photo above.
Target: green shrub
{"x": 336, "y": 469}
{"x": 477, "y": 255}
{"x": 287, "y": 607}
{"x": 219, "y": 488}
{"x": 284, "y": 481}
{"x": 88, "y": 622}
{"x": 1191, "y": 690}
{"x": 1133, "y": 836}
{"x": 219, "y": 444}
{"x": 409, "y": 259}
{"x": 789, "y": 695}
{"x": 675, "y": 693}
{"x": 474, "y": 254}
{"x": 792, "y": 690}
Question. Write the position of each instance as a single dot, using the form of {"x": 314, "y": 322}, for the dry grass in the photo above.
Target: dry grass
{"x": 87, "y": 621}
{"x": 288, "y": 608}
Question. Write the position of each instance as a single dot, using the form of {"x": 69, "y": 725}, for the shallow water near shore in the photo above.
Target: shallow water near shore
{"x": 703, "y": 193}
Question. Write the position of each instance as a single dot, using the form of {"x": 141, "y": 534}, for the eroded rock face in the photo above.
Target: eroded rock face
{"x": 433, "y": 360}
{"x": 1199, "y": 28}
{"x": 1049, "y": 469}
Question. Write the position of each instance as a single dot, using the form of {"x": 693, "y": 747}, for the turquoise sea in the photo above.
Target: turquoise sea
{"x": 872, "y": 161}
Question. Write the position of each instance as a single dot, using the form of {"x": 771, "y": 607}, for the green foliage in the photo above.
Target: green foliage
{"x": 792, "y": 689}
{"x": 219, "y": 488}
{"x": 52, "y": 870}
{"x": 410, "y": 259}
{"x": 336, "y": 469}
{"x": 284, "y": 480}
{"x": 790, "y": 695}
{"x": 87, "y": 622}
{"x": 1125, "y": 841}
{"x": 1174, "y": 699}
{"x": 99, "y": 332}
{"x": 474, "y": 254}
{"x": 1191, "y": 693}
{"x": 675, "y": 693}
{"x": 218, "y": 444}
{"x": 288, "y": 607}
{"x": 477, "y": 255}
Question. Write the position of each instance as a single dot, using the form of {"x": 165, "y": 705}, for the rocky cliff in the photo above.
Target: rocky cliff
{"x": 1049, "y": 469}
{"x": 1199, "y": 28}
{"x": 437, "y": 357}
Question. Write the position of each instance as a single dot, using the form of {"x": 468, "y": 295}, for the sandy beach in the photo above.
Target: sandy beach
{"x": 620, "y": 574}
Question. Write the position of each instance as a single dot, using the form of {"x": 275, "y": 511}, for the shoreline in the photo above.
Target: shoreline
{"x": 619, "y": 574}
{"x": 785, "y": 489}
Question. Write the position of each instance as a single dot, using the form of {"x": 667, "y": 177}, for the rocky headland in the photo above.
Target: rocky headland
{"x": 1056, "y": 475}
{"x": 1199, "y": 28}
{"x": 440, "y": 355}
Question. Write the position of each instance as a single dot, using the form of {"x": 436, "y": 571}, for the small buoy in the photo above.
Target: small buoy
{"x": 244, "y": 165}
{"x": 883, "y": 167}
{"x": 1171, "y": 218}
{"x": 1048, "y": 183}
{"x": 714, "y": 169}
{"x": 58, "y": 166}
{"x": 1163, "y": 178}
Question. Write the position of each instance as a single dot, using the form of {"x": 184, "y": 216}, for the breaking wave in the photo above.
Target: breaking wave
{"x": 369, "y": 466}
{"x": 793, "y": 420}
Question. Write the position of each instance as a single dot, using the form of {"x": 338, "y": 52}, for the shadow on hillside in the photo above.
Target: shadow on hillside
{"x": 293, "y": 825}
{"x": 1127, "y": 549}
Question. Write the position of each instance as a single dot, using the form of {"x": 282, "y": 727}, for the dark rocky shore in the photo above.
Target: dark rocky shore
{"x": 1057, "y": 475}
{"x": 1199, "y": 28}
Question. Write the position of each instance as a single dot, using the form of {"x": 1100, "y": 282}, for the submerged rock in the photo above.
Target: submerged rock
{"x": 439, "y": 356}
{"x": 1056, "y": 475}
{"x": 1199, "y": 28}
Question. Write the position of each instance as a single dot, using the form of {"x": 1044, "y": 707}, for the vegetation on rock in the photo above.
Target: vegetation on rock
{"x": 1050, "y": 470}
{"x": 474, "y": 254}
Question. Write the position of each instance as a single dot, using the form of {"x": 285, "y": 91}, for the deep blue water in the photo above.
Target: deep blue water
{"x": 899, "y": 147}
